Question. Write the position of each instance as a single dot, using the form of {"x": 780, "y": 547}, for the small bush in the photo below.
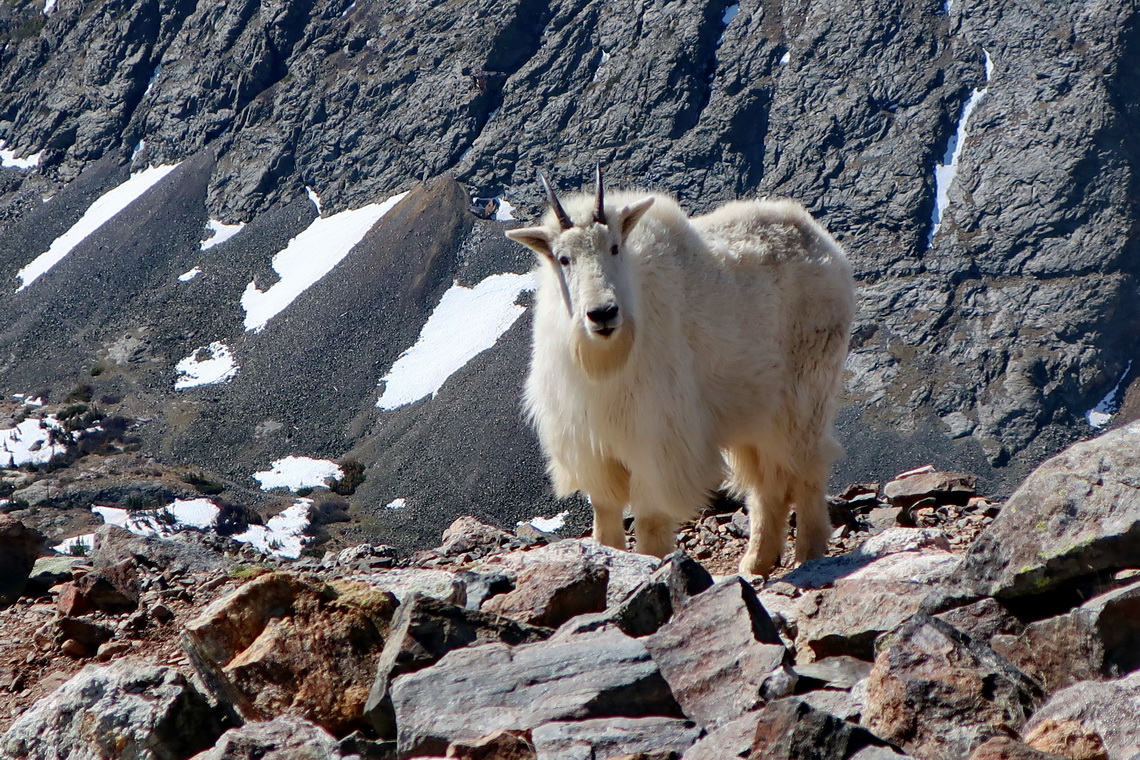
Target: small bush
{"x": 353, "y": 477}
{"x": 78, "y": 550}
{"x": 82, "y": 392}
{"x": 203, "y": 483}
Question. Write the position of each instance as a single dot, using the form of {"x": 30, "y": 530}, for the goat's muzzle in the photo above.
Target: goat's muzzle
{"x": 604, "y": 319}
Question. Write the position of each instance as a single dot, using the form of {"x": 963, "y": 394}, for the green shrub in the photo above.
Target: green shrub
{"x": 353, "y": 477}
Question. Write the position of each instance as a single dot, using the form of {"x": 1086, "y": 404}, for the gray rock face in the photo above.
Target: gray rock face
{"x": 790, "y": 728}
{"x": 614, "y": 737}
{"x": 474, "y": 691}
{"x": 1077, "y": 514}
{"x": 129, "y": 709}
{"x": 721, "y": 654}
{"x": 938, "y": 693}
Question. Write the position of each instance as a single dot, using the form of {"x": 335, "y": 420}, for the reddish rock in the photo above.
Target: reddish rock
{"x": 281, "y": 643}
{"x": 550, "y": 593}
{"x": 1005, "y": 748}
{"x": 497, "y": 745}
{"x": 1067, "y": 738}
{"x": 72, "y": 602}
{"x": 940, "y": 487}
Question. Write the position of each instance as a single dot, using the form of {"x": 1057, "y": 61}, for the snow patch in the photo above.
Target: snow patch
{"x": 87, "y": 541}
{"x": 398, "y": 503}
{"x": 282, "y": 534}
{"x": 105, "y": 208}
{"x": 316, "y": 199}
{"x": 49, "y": 7}
{"x": 9, "y": 160}
{"x": 208, "y": 365}
{"x": 309, "y": 257}
{"x": 188, "y": 276}
{"x": 547, "y": 524}
{"x": 30, "y": 442}
{"x": 200, "y": 514}
{"x": 298, "y": 472}
{"x": 729, "y": 14}
{"x": 220, "y": 233}
{"x": 947, "y": 169}
{"x": 505, "y": 211}
{"x": 140, "y": 146}
{"x": 465, "y": 323}
{"x": 1101, "y": 414}
{"x": 786, "y": 58}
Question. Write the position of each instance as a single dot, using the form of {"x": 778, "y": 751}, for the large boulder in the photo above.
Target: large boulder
{"x": 128, "y": 709}
{"x": 282, "y": 643}
{"x": 1096, "y": 641}
{"x": 550, "y": 593}
{"x": 19, "y": 548}
{"x": 1076, "y": 515}
{"x": 938, "y": 693}
{"x": 474, "y": 691}
{"x": 721, "y": 654}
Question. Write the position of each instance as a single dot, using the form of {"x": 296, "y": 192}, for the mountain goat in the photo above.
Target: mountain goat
{"x": 672, "y": 356}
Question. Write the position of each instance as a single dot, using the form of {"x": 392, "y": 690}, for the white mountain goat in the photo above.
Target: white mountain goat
{"x": 673, "y": 355}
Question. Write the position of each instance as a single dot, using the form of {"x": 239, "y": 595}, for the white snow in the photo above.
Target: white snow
{"x": 398, "y": 503}
{"x": 786, "y": 58}
{"x": 9, "y": 161}
{"x": 465, "y": 323}
{"x": 100, "y": 212}
{"x": 947, "y": 170}
{"x": 208, "y": 365}
{"x": 153, "y": 77}
{"x": 298, "y": 472}
{"x": 282, "y": 534}
{"x": 49, "y": 7}
{"x": 164, "y": 521}
{"x": 87, "y": 541}
{"x": 316, "y": 199}
{"x": 548, "y": 524}
{"x": 505, "y": 211}
{"x": 188, "y": 276}
{"x": 140, "y": 146}
{"x": 220, "y": 233}
{"x": 30, "y": 442}
{"x": 309, "y": 257}
{"x": 37, "y": 401}
{"x": 1101, "y": 414}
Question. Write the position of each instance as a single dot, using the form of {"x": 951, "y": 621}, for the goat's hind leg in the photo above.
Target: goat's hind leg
{"x": 813, "y": 522}
{"x": 765, "y": 491}
{"x": 608, "y": 498}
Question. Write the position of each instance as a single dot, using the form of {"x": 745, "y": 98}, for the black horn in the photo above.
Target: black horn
{"x": 599, "y": 206}
{"x": 563, "y": 217}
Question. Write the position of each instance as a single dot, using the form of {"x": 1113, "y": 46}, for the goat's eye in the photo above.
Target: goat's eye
{"x": 614, "y": 249}
{"x": 564, "y": 260}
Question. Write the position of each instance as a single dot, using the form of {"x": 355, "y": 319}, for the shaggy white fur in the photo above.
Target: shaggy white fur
{"x": 672, "y": 356}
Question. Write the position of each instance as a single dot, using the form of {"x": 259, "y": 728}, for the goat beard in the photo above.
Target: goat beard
{"x": 599, "y": 358}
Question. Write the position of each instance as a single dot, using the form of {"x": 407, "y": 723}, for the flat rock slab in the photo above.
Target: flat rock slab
{"x": 423, "y": 630}
{"x": 284, "y": 738}
{"x": 938, "y": 693}
{"x": 282, "y": 643}
{"x": 627, "y": 570}
{"x": 1110, "y": 708}
{"x": 402, "y": 582}
{"x": 127, "y": 709}
{"x": 474, "y": 691}
{"x": 721, "y": 653}
{"x": 1076, "y": 514}
{"x": 824, "y": 572}
{"x": 613, "y": 737}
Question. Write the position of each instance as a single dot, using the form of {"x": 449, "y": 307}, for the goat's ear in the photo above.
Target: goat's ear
{"x": 629, "y": 215}
{"x": 535, "y": 238}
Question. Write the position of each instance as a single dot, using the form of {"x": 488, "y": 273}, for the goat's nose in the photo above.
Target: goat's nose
{"x": 603, "y": 315}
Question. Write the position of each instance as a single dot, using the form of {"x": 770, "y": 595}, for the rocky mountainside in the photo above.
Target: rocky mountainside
{"x": 975, "y": 158}
{"x": 942, "y": 626}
